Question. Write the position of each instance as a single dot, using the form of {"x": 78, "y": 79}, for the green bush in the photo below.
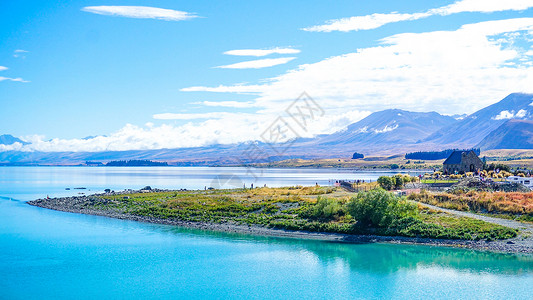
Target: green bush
{"x": 398, "y": 181}
{"x": 385, "y": 182}
{"x": 324, "y": 209}
{"x": 379, "y": 208}
{"x": 394, "y": 182}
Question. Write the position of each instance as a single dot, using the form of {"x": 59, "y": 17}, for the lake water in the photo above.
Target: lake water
{"x": 47, "y": 254}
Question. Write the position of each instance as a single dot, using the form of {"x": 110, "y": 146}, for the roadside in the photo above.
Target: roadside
{"x": 525, "y": 235}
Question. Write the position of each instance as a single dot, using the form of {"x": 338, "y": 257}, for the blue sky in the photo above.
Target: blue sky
{"x": 71, "y": 69}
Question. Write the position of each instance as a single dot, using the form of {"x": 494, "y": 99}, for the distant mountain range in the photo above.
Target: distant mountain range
{"x": 507, "y": 124}
{"x": 388, "y": 127}
{"x": 474, "y": 128}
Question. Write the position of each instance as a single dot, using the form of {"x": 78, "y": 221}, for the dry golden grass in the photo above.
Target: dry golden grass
{"x": 492, "y": 202}
{"x": 367, "y": 162}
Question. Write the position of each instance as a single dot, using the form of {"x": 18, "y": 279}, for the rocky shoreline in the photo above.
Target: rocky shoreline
{"x": 82, "y": 205}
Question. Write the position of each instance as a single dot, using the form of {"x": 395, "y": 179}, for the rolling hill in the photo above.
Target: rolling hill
{"x": 513, "y": 134}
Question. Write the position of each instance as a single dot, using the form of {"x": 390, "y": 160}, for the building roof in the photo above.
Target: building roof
{"x": 454, "y": 158}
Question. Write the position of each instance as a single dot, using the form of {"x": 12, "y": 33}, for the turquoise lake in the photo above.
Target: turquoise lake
{"x": 47, "y": 254}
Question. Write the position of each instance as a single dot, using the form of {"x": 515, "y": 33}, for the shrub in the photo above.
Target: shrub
{"x": 385, "y": 182}
{"x": 398, "y": 181}
{"x": 501, "y": 167}
{"x": 324, "y": 209}
{"x": 379, "y": 208}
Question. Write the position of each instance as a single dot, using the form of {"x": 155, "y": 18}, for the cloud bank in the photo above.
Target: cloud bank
{"x": 447, "y": 71}
{"x": 452, "y": 72}
{"x": 377, "y": 20}
{"x": 140, "y": 12}
{"x": 224, "y": 128}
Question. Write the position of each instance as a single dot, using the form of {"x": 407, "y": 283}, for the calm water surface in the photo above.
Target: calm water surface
{"x": 54, "y": 255}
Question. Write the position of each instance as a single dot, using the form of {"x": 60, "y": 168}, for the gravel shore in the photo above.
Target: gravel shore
{"x": 82, "y": 205}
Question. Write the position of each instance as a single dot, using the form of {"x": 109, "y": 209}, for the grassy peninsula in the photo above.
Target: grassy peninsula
{"x": 308, "y": 209}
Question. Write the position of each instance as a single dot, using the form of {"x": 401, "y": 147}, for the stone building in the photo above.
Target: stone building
{"x": 462, "y": 162}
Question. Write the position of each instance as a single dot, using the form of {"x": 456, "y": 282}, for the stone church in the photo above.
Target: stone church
{"x": 460, "y": 162}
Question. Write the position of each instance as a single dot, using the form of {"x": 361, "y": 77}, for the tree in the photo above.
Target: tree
{"x": 398, "y": 181}
{"x": 357, "y": 155}
{"x": 380, "y": 208}
{"x": 385, "y": 182}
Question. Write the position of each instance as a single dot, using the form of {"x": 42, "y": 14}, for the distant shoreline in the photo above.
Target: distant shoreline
{"x": 501, "y": 246}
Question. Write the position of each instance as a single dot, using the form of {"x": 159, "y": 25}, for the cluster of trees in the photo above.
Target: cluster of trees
{"x": 375, "y": 208}
{"x": 380, "y": 208}
{"x": 357, "y": 155}
{"x": 135, "y": 163}
{"x": 501, "y": 167}
{"x": 395, "y": 182}
{"x": 435, "y": 155}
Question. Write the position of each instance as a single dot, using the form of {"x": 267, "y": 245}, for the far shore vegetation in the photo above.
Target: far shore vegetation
{"x": 429, "y": 160}
{"x": 128, "y": 163}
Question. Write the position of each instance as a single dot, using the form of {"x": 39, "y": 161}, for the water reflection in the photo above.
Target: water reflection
{"x": 384, "y": 258}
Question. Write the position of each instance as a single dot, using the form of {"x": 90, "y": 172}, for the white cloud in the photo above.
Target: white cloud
{"x": 222, "y": 128}
{"x": 377, "y": 20}
{"x": 210, "y": 115}
{"x": 387, "y": 128}
{"x": 362, "y": 130}
{"x": 16, "y": 146}
{"x": 141, "y": 12}
{"x": 2, "y": 78}
{"x": 521, "y": 113}
{"x": 505, "y": 115}
{"x": 259, "y": 63}
{"x": 18, "y": 79}
{"x": 447, "y": 71}
{"x": 239, "y": 89}
{"x": 233, "y": 104}
{"x": 262, "y": 52}
{"x": 364, "y": 22}
{"x": 485, "y": 6}
{"x": 20, "y": 53}
{"x": 208, "y": 132}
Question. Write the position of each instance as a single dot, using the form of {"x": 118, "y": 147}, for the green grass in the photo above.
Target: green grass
{"x": 519, "y": 218}
{"x": 294, "y": 208}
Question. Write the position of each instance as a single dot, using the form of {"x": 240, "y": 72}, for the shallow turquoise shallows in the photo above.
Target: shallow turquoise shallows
{"x": 46, "y": 254}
